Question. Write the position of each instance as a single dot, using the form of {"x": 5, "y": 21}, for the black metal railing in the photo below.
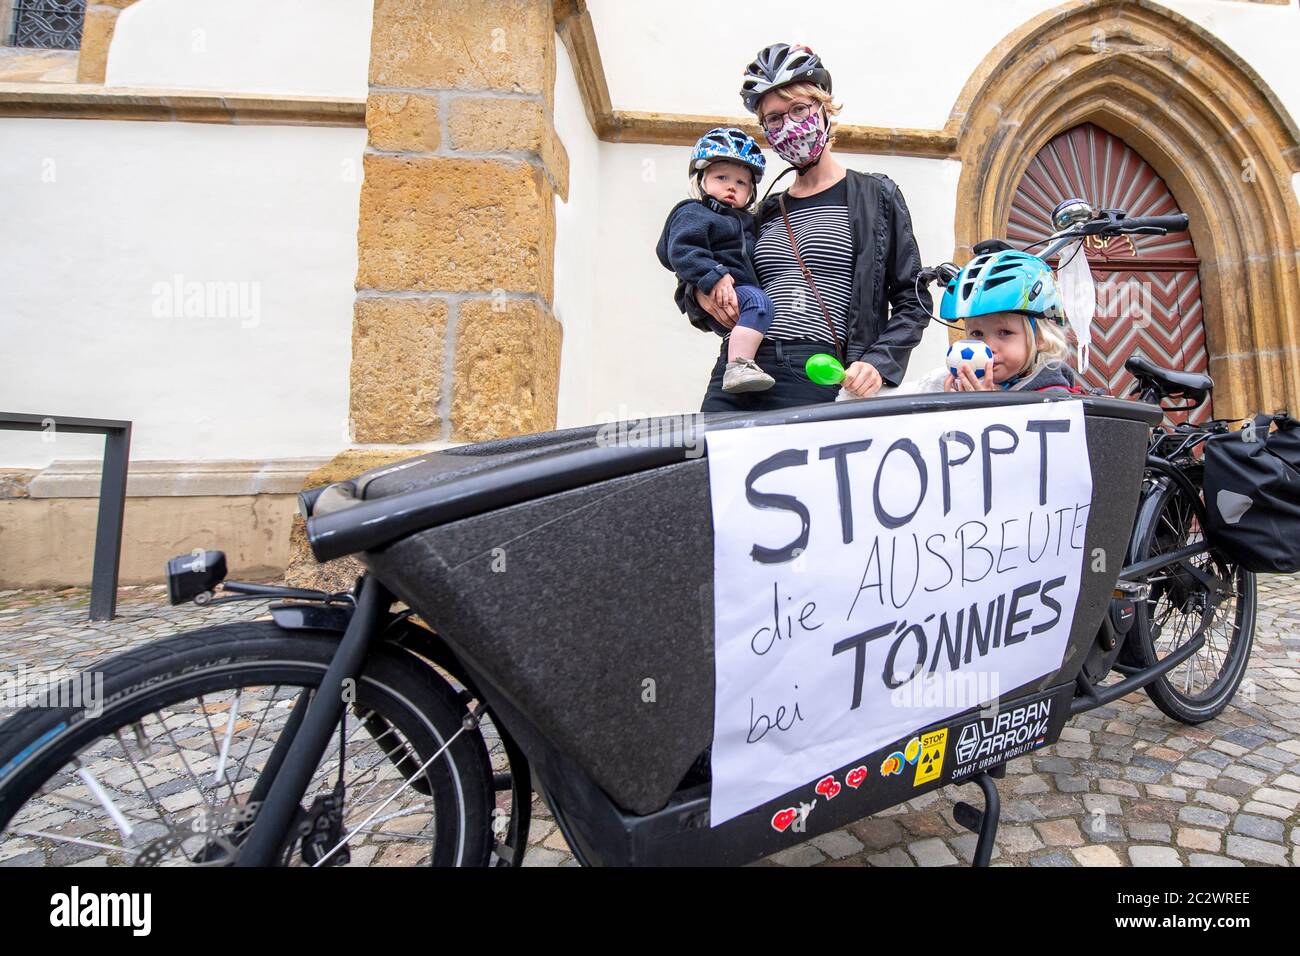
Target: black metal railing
{"x": 112, "y": 496}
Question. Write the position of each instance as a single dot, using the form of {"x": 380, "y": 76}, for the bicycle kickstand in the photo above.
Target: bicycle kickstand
{"x": 984, "y": 822}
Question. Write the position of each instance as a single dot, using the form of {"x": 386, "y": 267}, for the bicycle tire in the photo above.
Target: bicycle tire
{"x": 419, "y": 708}
{"x": 1166, "y": 521}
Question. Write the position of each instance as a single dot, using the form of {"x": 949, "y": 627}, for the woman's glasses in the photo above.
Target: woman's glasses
{"x": 773, "y": 122}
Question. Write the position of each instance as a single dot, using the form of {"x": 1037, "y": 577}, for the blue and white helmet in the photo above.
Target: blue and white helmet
{"x": 731, "y": 144}
{"x": 1004, "y": 281}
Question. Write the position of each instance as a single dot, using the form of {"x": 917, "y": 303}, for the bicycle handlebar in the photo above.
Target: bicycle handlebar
{"x": 1176, "y": 223}
{"x": 1104, "y": 222}
{"x": 1113, "y": 222}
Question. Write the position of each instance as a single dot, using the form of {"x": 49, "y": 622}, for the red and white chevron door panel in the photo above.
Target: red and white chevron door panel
{"x": 1148, "y": 287}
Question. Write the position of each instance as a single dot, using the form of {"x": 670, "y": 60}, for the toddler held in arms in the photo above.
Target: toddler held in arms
{"x": 708, "y": 241}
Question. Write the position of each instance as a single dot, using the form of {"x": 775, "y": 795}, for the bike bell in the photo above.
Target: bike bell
{"x": 1071, "y": 212}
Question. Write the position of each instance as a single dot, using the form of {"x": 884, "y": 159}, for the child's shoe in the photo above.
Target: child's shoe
{"x": 744, "y": 375}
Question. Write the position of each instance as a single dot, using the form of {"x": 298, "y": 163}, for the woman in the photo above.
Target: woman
{"x": 847, "y": 283}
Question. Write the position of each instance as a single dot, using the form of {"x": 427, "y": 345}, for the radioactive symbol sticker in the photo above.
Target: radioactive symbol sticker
{"x": 930, "y": 764}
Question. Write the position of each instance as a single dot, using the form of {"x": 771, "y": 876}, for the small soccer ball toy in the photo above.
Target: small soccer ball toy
{"x": 970, "y": 352}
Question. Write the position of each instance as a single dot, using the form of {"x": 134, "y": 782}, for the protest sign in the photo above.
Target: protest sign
{"x": 875, "y": 575}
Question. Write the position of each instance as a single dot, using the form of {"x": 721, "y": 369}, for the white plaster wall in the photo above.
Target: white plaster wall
{"x": 1265, "y": 35}
{"x": 100, "y": 216}
{"x": 305, "y": 47}
{"x": 576, "y": 250}
{"x": 894, "y": 64}
{"x": 651, "y": 360}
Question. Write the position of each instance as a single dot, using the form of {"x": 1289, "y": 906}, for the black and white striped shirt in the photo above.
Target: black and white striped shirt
{"x": 821, "y": 227}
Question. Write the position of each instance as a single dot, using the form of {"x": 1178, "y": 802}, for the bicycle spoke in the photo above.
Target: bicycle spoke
{"x": 387, "y": 762}
{"x": 231, "y": 716}
{"x": 138, "y": 728}
{"x": 397, "y": 814}
{"x": 370, "y": 831}
{"x": 86, "y": 804}
{"x": 366, "y": 822}
{"x": 329, "y": 765}
{"x": 185, "y": 762}
{"x": 110, "y": 807}
{"x": 62, "y": 838}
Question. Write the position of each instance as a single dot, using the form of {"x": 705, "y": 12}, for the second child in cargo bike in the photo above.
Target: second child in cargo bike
{"x": 1008, "y": 300}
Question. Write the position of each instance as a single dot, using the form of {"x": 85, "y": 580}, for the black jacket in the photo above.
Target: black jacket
{"x": 885, "y": 318}
{"x": 703, "y": 240}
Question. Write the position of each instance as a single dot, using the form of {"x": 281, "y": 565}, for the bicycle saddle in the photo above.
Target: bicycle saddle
{"x": 1191, "y": 385}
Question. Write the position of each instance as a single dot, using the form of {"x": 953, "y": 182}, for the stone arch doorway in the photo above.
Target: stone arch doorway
{"x": 1206, "y": 124}
{"x": 1148, "y": 287}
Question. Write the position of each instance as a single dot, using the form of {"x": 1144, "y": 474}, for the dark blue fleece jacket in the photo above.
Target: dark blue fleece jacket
{"x": 703, "y": 240}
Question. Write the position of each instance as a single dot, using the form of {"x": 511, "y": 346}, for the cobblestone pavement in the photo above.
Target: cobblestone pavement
{"x": 1125, "y": 785}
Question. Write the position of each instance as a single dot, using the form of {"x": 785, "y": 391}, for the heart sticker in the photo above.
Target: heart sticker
{"x": 827, "y": 787}
{"x": 783, "y": 818}
{"x": 856, "y": 776}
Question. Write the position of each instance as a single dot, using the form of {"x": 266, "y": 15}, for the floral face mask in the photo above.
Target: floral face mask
{"x": 800, "y": 143}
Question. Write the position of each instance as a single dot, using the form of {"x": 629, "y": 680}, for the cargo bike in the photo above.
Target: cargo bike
{"x": 516, "y": 595}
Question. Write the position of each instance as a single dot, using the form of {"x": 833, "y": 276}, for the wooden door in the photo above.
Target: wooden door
{"x": 1148, "y": 287}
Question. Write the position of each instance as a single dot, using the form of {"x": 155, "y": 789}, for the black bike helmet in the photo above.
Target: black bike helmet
{"x": 780, "y": 65}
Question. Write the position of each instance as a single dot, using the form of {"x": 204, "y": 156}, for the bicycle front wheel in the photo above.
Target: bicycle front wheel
{"x": 162, "y": 764}
{"x": 1208, "y": 594}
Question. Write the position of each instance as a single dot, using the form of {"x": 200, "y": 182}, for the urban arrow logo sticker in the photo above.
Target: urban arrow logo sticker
{"x": 996, "y": 739}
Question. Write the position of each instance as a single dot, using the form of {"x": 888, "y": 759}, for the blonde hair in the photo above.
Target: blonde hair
{"x": 813, "y": 92}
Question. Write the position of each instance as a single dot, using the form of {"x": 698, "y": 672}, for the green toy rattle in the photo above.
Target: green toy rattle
{"x": 824, "y": 369}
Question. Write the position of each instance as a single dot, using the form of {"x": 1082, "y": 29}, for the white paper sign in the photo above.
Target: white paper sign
{"x": 872, "y": 576}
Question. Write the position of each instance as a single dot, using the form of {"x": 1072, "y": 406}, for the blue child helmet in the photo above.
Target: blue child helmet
{"x": 729, "y": 143}
{"x": 1004, "y": 281}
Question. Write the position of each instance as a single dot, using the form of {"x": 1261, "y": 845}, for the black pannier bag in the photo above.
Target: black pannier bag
{"x": 1252, "y": 494}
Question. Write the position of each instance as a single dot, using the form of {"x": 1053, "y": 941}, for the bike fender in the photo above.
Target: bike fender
{"x": 312, "y": 617}
{"x": 425, "y": 644}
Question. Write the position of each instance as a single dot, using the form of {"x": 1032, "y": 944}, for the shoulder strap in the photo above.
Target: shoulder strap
{"x": 807, "y": 275}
